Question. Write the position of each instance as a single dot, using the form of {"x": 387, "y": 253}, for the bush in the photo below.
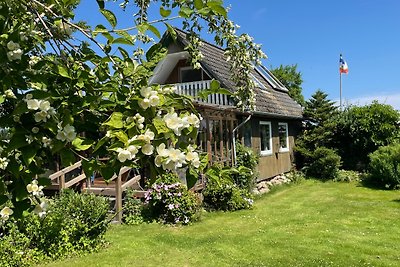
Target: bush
{"x": 15, "y": 247}
{"x": 168, "y": 201}
{"x": 347, "y": 176}
{"x": 133, "y": 209}
{"x": 221, "y": 193}
{"x": 246, "y": 162}
{"x": 75, "y": 223}
{"x": 325, "y": 164}
{"x": 384, "y": 166}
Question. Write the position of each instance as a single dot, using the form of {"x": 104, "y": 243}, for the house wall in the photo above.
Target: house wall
{"x": 278, "y": 162}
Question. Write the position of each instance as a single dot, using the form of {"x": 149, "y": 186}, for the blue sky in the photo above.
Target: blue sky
{"x": 312, "y": 34}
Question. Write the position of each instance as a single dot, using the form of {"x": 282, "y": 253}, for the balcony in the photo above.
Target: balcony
{"x": 192, "y": 89}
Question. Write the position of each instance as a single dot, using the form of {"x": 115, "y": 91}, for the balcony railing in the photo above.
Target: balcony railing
{"x": 193, "y": 88}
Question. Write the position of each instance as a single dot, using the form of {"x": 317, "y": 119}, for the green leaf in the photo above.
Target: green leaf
{"x": 3, "y": 199}
{"x": 63, "y": 71}
{"x": 67, "y": 157}
{"x": 89, "y": 167}
{"x": 160, "y": 126}
{"x": 198, "y": 4}
{"x": 171, "y": 31}
{"x": 121, "y": 136}
{"x": 154, "y": 30}
{"x": 122, "y": 40}
{"x": 2, "y": 98}
{"x": 82, "y": 144}
{"x": 191, "y": 177}
{"x": 45, "y": 181}
{"x": 185, "y": 12}
{"x": 153, "y": 51}
{"x": 100, "y": 143}
{"x": 217, "y": 7}
{"x": 165, "y": 12}
{"x": 214, "y": 85}
{"x": 115, "y": 120}
{"x": 28, "y": 154}
{"x": 107, "y": 172}
{"x": 123, "y": 52}
{"x": 100, "y": 3}
{"x": 111, "y": 18}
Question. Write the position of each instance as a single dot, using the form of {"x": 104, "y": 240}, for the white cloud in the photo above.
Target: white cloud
{"x": 389, "y": 99}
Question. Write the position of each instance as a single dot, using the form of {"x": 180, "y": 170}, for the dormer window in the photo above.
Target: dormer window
{"x": 188, "y": 74}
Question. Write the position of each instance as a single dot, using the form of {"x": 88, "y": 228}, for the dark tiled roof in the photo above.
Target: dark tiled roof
{"x": 269, "y": 100}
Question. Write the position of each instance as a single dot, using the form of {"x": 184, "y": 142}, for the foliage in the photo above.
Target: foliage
{"x": 384, "y": 166}
{"x": 168, "y": 201}
{"x": 295, "y": 176}
{"x": 247, "y": 162}
{"x": 15, "y": 247}
{"x": 60, "y": 99}
{"x": 73, "y": 224}
{"x": 324, "y": 164}
{"x": 221, "y": 193}
{"x": 292, "y": 80}
{"x": 319, "y": 125}
{"x": 348, "y": 176}
{"x": 133, "y": 209}
{"x": 364, "y": 129}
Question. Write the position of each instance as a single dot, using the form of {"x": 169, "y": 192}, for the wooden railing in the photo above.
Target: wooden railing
{"x": 60, "y": 182}
{"x": 193, "y": 88}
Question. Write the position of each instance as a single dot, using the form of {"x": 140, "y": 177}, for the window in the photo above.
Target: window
{"x": 265, "y": 138}
{"x": 283, "y": 137}
{"x": 188, "y": 74}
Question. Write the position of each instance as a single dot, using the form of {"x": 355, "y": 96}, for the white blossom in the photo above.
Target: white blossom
{"x": 146, "y": 92}
{"x": 67, "y": 133}
{"x": 9, "y": 94}
{"x": 46, "y": 141}
{"x": 147, "y": 149}
{"x": 35, "y": 130}
{"x": 173, "y": 122}
{"x": 41, "y": 116}
{"x": 5, "y": 213}
{"x": 34, "y": 189}
{"x": 3, "y": 163}
{"x": 154, "y": 100}
{"x": 12, "y": 46}
{"x": 144, "y": 103}
{"x": 33, "y": 104}
{"x": 41, "y": 209}
{"x": 123, "y": 155}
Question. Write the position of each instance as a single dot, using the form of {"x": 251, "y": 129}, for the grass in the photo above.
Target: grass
{"x": 309, "y": 224}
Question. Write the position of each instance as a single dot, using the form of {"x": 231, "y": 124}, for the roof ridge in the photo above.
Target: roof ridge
{"x": 202, "y": 40}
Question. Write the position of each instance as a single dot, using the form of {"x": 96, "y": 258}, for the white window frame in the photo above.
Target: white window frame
{"x": 286, "y": 149}
{"x": 266, "y": 152}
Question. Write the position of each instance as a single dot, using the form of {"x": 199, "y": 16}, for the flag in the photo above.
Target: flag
{"x": 343, "y": 68}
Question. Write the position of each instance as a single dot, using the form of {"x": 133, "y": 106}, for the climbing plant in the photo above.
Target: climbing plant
{"x": 69, "y": 91}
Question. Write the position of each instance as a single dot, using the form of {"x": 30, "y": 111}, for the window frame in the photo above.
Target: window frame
{"x": 266, "y": 152}
{"x": 284, "y": 149}
{"x": 185, "y": 68}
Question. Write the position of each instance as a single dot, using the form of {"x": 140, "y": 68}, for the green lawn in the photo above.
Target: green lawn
{"x": 310, "y": 224}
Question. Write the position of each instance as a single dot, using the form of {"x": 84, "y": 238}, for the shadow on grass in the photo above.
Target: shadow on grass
{"x": 396, "y": 200}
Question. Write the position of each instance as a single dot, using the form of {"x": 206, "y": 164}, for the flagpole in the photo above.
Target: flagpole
{"x": 340, "y": 79}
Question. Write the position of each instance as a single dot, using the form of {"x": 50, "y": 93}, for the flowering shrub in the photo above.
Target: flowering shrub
{"x": 61, "y": 98}
{"x": 169, "y": 201}
{"x": 221, "y": 193}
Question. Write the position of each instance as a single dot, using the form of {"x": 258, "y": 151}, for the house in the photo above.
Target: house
{"x": 270, "y": 129}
